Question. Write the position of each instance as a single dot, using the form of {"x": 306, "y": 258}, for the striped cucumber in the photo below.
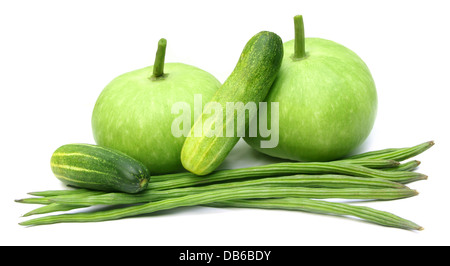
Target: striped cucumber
{"x": 98, "y": 168}
{"x": 205, "y": 149}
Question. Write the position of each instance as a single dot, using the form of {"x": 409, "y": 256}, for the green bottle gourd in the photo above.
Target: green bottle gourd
{"x": 327, "y": 101}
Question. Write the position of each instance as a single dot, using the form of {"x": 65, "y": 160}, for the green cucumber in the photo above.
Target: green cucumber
{"x": 249, "y": 82}
{"x": 99, "y": 168}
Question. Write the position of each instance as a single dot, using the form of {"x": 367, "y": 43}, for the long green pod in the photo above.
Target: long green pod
{"x": 398, "y": 154}
{"x": 318, "y": 182}
{"x": 67, "y": 202}
{"x": 272, "y": 191}
{"x": 52, "y": 207}
{"x": 59, "y": 192}
{"x": 221, "y": 195}
{"x": 48, "y": 199}
{"x": 268, "y": 170}
{"x": 369, "y": 163}
{"x": 323, "y": 207}
{"x": 205, "y": 149}
{"x": 301, "y": 192}
{"x": 295, "y": 204}
{"x": 80, "y": 200}
{"x": 288, "y": 168}
{"x": 373, "y": 163}
{"x": 407, "y": 166}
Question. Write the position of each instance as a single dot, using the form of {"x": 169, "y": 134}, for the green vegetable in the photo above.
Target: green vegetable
{"x": 327, "y": 100}
{"x": 314, "y": 186}
{"x": 99, "y": 168}
{"x": 297, "y": 204}
{"x": 293, "y": 192}
{"x": 217, "y": 196}
{"x": 398, "y": 154}
{"x": 369, "y": 163}
{"x": 249, "y": 82}
{"x": 49, "y": 198}
{"x": 408, "y": 166}
{"x": 59, "y": 192}
{"x": 133, "y": 114}
{"x": 51, "y": 207}
{"x": 274, "y": 169}
{"x": 280, "y": 169}
{"x": 324, "y": 207}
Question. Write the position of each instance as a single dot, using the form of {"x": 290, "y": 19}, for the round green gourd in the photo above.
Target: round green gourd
{"x": 327, "y": 100}
{"x": 133, "y": 113}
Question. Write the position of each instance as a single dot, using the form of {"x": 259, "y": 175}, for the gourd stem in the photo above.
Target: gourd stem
{"x": 299, "y": 42}
{"x": 158, "y": 66}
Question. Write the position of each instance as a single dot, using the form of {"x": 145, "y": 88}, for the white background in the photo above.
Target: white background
{"x": 56, "y": 57}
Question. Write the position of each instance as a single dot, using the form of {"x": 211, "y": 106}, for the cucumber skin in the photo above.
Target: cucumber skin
{"x": 99, "y": 168}
{"x": 250, "y": 81}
